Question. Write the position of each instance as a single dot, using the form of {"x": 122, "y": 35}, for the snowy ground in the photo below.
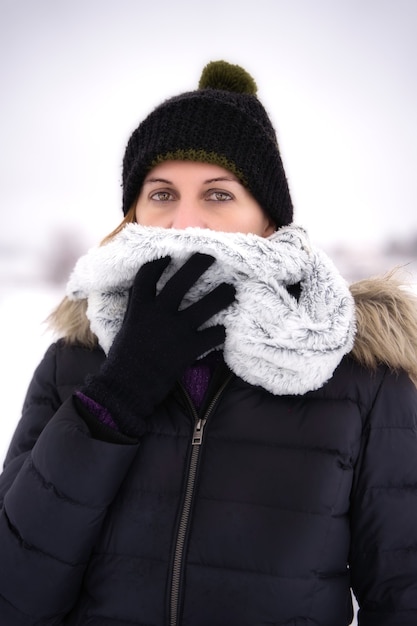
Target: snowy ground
{"x": 23, "y": 340}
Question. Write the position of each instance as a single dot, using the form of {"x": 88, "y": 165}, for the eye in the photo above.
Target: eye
{"x": 161, "y": 196}
{"x": 218, "y": 195}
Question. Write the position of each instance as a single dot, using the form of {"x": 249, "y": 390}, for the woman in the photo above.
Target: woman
{"x": 225, "y": 435}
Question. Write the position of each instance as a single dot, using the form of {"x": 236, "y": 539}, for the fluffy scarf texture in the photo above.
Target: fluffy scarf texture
{"x": 283, "y": 344}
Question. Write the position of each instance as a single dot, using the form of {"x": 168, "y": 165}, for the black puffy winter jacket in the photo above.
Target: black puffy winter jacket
{"x": 262, "y": 510}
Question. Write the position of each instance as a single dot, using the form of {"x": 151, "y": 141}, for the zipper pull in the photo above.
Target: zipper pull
{"x": 198, "y": 431}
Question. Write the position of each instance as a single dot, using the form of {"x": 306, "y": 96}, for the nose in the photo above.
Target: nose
{"x": 187, "y": 214}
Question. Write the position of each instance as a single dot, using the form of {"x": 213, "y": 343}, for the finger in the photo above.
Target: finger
{"x": 210, "y": 338}
{"x": 212, "y": 303}
{"x": 178, "y": 285}
{"x": 148, "y": 275}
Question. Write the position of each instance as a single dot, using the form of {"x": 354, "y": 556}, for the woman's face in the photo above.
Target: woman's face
{"x": 179, "y": 194}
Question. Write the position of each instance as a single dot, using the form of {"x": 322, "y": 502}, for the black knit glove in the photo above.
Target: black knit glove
{"x": 157, "y": 342}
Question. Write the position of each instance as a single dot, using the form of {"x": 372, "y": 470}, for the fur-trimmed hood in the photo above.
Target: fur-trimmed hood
{"x": 386, "y": 322}
{"x": 284, "y": 344}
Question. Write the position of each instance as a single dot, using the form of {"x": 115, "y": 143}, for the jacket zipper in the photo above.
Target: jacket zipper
{"x": 197, "y": 438}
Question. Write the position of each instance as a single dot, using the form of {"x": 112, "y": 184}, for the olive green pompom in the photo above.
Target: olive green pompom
{"x": 223, "y": 75}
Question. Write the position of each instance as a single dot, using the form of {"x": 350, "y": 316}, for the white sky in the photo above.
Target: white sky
{"x": 338, "y": 78}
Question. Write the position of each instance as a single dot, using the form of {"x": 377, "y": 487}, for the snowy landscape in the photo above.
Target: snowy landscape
{"x": 338, "y": 79}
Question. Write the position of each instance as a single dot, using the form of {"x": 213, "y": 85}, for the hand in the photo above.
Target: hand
{"x": 157, "y": 341}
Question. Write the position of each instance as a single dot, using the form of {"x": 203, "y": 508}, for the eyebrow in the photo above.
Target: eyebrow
{"x": 230, "y": 179}
{"x": 157, "y": 180}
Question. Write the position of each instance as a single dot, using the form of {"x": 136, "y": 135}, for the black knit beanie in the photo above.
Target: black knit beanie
{"x": 223, "y": 123}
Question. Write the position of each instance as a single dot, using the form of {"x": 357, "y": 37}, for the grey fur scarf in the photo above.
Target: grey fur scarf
{"x": 284, "y": 345}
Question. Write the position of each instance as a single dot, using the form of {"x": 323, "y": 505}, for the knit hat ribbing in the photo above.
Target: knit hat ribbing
{"x": 222, "y": 122}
